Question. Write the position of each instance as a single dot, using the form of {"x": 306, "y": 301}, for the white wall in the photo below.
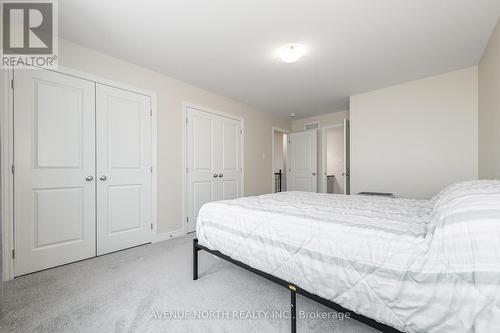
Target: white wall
{"x": 415, "y": 138}
{"x": 334, "y": 118}
{"x": 489, "y": 109}
{"x": 171, "y": 95}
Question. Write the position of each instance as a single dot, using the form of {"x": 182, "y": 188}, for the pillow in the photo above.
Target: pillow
{"x": 464, "y": 189}
{"x": 466, "y": 231}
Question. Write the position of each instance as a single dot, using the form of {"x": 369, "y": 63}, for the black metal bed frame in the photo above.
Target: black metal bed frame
{"x": 294, "y": 290}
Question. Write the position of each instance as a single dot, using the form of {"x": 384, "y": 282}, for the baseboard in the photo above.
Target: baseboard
{"x": 169, "y": 235}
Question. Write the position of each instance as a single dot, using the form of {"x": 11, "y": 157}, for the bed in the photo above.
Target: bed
{"x": 397, "y": 264}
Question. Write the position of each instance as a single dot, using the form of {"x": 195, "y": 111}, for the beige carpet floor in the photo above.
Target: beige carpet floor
{"x": 144, "y": 289}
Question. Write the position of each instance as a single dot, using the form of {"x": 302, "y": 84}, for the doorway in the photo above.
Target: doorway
{"x": 335, "y": 159}
{"x": 279, "y": 157}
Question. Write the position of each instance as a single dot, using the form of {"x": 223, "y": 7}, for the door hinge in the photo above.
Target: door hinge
{"x": 12, "y": 84}
{"x": 187, "y": 170}
{"x": 151, "y": 169}
{"x": 241, "y": 132}
{"x": 151, "y": 226}
{"x": 187, "y": 219}
{"x": 151, "y": 112}
{"x": 186, "y": 120}
{"x": 13, "y": 254}
{"x": 12, "y": 168}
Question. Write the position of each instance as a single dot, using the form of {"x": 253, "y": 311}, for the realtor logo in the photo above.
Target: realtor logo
{"x": 29, "y": 34}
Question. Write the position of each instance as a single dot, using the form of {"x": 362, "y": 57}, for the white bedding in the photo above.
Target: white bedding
{"x": 418, "y": 266}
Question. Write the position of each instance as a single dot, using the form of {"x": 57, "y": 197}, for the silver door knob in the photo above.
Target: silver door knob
{"x": 89, "y": 178}
{"x": 215, "y": 175}
{"x": 221, "y": 175}
{"x": 103, "y": 178}
{"x": 314, "y": 173}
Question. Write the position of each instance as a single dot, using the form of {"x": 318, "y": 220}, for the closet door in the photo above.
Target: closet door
{"x": 213, "y": 160}
{"x": 203, "y": 161}
{"x": 54, "y": 161}
{"x": 230, "y": 169}
{"x": 124, "y": 169}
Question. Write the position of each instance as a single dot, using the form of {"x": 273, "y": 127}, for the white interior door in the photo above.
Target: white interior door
{"x": 302, "y": 161}
{"x": 124, "y": 169}
{"x": 203, "y": 149}
{"x": 347, "y": 170}
{"x": 54, "y": 161}
{"x": 230, "y": 169}
{"x": 213, "y": 160}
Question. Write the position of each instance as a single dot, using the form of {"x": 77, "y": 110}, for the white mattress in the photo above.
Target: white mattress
{"x": 380, "y": 257}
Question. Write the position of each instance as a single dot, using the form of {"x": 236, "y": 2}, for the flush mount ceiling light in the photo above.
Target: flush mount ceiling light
{"x": 291, "y": 52}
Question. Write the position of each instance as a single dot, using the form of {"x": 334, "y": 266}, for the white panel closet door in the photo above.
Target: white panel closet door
{"x": 213, "y": 160}
{"x": 203, "y": 149}
{"x": 124, "y": 162}
{"x": 230, "y": 169}
{"x": 302, "y": 155}
{"x": 54, "y": 164}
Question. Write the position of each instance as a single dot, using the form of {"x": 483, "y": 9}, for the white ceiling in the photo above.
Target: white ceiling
{"x": 227, "y": 46}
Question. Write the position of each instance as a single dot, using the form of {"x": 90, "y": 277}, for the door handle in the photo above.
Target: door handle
{"x": 215, "y": 175}
{"x": 314, "y": 173}
{"x": 221, "y": 175}
{"x": 103, "y": 178}
{"x": 89, "y": 178}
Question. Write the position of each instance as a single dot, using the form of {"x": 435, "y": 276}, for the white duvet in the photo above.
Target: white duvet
{"x": 416, "y": 265}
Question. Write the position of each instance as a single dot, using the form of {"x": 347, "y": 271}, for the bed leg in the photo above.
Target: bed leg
{"x": 195, "y": 259}
{"x": 293, "y": 311}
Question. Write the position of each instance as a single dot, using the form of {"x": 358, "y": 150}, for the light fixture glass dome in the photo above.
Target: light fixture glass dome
{"x": 291, "y": 52}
